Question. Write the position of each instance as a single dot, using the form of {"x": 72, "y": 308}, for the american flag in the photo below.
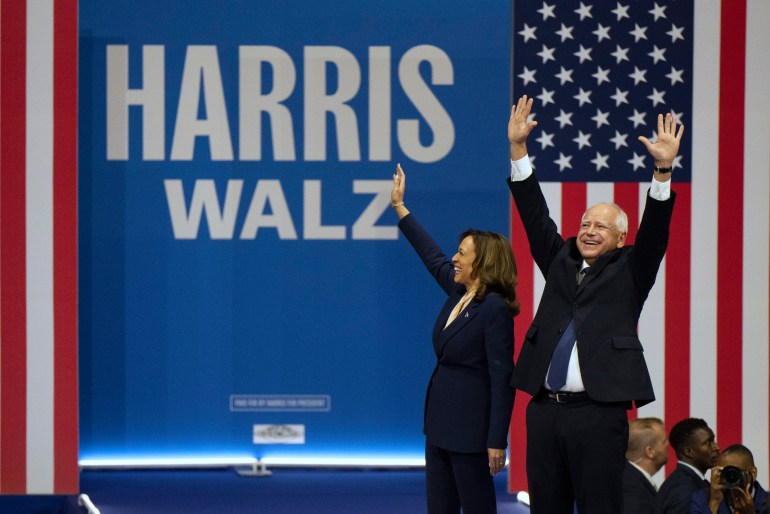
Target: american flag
{"x": 38, "y": 247}
{"x": 600, "y": 72}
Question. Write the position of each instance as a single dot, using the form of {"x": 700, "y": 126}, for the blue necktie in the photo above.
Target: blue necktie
{"x": 557, "y": 375}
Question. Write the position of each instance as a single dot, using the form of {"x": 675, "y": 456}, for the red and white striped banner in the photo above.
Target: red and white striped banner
{"x": 705, "y": 325}
{"x": 38, "y": 247}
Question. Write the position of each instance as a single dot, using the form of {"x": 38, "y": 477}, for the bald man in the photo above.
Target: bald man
{"x": 647, "y": 452}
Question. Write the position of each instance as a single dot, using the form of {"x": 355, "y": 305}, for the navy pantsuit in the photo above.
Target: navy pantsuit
{"x": 469, "y": 399}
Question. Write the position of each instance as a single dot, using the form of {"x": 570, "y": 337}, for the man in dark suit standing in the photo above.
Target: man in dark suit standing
{"x": 647, "y": 452}
{"x": 696, "y": 452}
{"x": 582, "y": 359}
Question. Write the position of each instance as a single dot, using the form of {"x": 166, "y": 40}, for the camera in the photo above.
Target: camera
{"x": 733, "y": 477}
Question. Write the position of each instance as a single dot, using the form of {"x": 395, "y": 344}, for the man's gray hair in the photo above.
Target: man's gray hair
{"x": 621, "y": 220}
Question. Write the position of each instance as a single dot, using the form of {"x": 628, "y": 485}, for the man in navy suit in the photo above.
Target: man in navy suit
{"x": 696, "y": 452}
{"x": 582, "y": 359}
{"x": 647, "y": 452}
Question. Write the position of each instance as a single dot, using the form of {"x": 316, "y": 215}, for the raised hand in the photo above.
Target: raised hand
{"x": 666, "y": 146}
{"x": 399, "y": 185}
{"x": 519, "y": 128}
{"x": 397, "y": 194}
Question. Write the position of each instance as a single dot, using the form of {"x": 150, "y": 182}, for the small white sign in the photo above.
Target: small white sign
{"x": 279, "y": 434}
{"x": 280, "y": 403}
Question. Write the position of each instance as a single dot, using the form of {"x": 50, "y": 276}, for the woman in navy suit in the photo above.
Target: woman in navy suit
{"x": 469, "y": 401}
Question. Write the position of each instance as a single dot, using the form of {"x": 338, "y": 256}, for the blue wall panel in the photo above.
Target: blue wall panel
{"x": 177, "y": 312}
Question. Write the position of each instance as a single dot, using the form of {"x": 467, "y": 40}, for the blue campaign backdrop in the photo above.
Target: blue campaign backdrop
{"x": 239, "y": 262}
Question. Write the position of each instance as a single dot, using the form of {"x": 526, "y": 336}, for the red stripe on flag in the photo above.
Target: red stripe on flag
{"x": 65, "y": 248}
{"x": 730, "y": 221}
{"x": 573, "y": 206}
{"x": 13, "y": 294}
{"x": 677, "y": 317}
{"x": 626, "y": 195}
{"x": 525, "y": 290}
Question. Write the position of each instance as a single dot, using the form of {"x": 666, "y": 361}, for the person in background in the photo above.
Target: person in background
{"x": 469, "y": 400}
{"x": 696, "y": 451}
{"x": 733, "y": 487}
{"x": 647, "y": 452}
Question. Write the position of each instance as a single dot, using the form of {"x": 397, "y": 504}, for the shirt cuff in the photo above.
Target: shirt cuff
{"x": 521, "y": 169}
{"x": 660, "y": 190}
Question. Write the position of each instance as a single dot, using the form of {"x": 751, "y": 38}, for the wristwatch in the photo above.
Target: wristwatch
{"x": 659, "y": 169}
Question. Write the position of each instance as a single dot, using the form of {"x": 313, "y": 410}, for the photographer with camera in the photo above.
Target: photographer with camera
{"x": 734, "y": 487}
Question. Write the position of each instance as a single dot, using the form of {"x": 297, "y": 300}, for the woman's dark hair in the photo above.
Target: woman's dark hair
{"x": 494, "y": 266}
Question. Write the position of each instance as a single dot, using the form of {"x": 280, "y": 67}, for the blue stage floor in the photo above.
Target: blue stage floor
{"x": 286, "y": 491}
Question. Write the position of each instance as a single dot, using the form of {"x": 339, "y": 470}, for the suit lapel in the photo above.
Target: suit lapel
{"x": 457, "y": 325}
{"x": 594, "y": 271}
{"x": 647, "y": 484}
{"x": 573, "y": 265}
{"x": 641, "y": 478}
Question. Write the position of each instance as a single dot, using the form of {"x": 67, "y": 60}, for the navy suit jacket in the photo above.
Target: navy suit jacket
{"x": 605, "y": 306}
{"x": 469, "y": 400}
{"x": 638, "y": 492}
{"x": 677, "y": 490}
